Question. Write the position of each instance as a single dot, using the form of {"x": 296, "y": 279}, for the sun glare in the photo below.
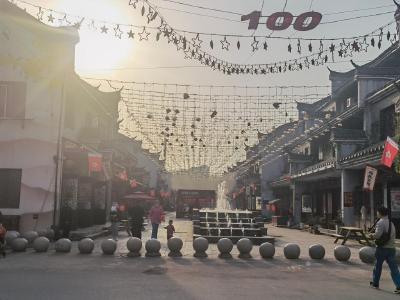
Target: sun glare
{"x": 98, "y": 52}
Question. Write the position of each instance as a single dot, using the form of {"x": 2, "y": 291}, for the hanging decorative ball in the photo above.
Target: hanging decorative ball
{"x": 200, "y": 140}
{"x": 193, "y": 126}
{"x": 229, "y": 142}
{"x": 166, "y": 118}
{"x": 236, "y": 137}
{"x": 181, "y": 145}
{"x": 249, "y": 124}
{"x": 174, "y": 119}
{"x": 236, "y": 148}
{"x": 196, "y": 139}
{"x": 204, "y": 146}
{"x": 246, "y": 139}
{"x": 211, "y": 44}
{"x": 177, "y": 111}
{"x": 173, "y": 124}
{"x": 238, "y": 45}
{"x": 186, "y": 96}
{"x": 192, "y": 147}
{"x": 167, "y": 129}
{"x": 168, "y": 110}
{"x": 198, "y": 119}
{"x": 149, "y": 116}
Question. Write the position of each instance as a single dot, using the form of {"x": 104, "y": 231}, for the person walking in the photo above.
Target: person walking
{"x": 3, "y": 232}
{"x": 136, "y": 214}
{"x": 156, "y": 215}
{"x": 114, "y": 221}
{"x": 170, "y": 229}
{"x": 385, "y": 234}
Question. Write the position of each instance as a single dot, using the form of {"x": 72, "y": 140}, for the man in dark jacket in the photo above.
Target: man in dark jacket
{"x": 136, "y": 214}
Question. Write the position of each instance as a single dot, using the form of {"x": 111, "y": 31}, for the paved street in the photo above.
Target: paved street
{"x": 73, "y": 276}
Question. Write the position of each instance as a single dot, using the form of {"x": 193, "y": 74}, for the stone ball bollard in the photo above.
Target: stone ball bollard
{"x": 109, "y": 246}
{"x": 134, "y": 246}
{"x": 30, "y": 236}
{"x": 244, "y": 246}
{"x": 153, "y": 248}
{"x": 200, "y": 246}
{"x": 316, "y": 251}
{"x": 367, "y": 255}
{"x": 86, "y": 246}
{"x": 19, "y": 244}
{"x": 63, "y": 246}
{"x": 41, "y": 244}
{"x": 50, "y": 234}
{"x": 225, "y": 247}
{"x": 11, "y": 235}
{"x": 175, "y": 246}
{"x": 267, "y": 250}
{"x": 342, "y": 253}
{"x": 291, "y": 251}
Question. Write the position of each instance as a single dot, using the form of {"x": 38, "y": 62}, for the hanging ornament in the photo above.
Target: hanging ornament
{"x": 310, "y": 48}
{"x": 238, "y": 45}
{"x": 289, "y": 48}
{"x": 118, "y": 32}
{"x": 78, "y": 24}
{"x": 158, "y": 35}
{"x": 144, "y": 35}
{"x": 332, "y": 50}
{"x": 225, "y": 44}
{"x": 104, "y": 29}
{"x": 388, "y": 36}
{"x": 133, "y": 3}
{"x": 40, "y": 14}
{"x": 265, "y": 46}
{"x": 364, "y": 45}
{"x": 211, "y": 44}
{"x": 307, "y": 63}
{"x": 92, "y": 25}
{"x": 143, "y": 11}
{"x": 50, "y": 18}
{"x": 197, "y": 42}
{"x": 373, "y": 42}
{"x": 298, "y": 46}
{"x": 355, "y": 46}
{"x": 321, "y": 46}
{"x": 254, "y": 45}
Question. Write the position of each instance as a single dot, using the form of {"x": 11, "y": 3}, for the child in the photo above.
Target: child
{"x": 3, "y": 232}
{"x": 170, "y": 229}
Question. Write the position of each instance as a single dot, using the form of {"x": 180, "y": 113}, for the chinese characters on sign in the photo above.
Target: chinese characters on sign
{"x": 370, "y": 178}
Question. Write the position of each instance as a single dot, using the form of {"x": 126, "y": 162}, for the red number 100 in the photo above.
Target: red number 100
{"x": 287, "y": 20}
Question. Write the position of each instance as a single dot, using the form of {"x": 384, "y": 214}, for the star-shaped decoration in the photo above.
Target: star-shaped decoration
{"x": 332, "y": 48}
{"x": 104, "y": 29}
{"x": 118, "y": 32}
{"x": 197, "y": 42}
{"x": 265, "y": 46}
{"x": 355, "y": 46}
{"x": 225, "y": 44}
{"x": 144, "y": 35}
{"x": 40, "y": 14}
{"x": 50, "y": 18}
{"x": 151, "y": 16}
{"x": 78, "y": 25}
{"x": 131, "y": 34}
{"x": 254, "y": 45}
{"x": 345, "y": 49}
{"x": 188, "y": 53}
{"x": 133, "y": 3}
{"x": 307, "y": 63}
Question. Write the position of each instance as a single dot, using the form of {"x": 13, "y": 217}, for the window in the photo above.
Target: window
{"x": 387, "y": 122}
{"x": 12, "y": 100}
{"x": 10, "y": 188}
{"x": 306, "y": 151}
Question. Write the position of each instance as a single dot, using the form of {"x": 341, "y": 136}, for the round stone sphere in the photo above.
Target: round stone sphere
{"x": 291, "y": 251}
{"x": 86, "y": 246}
{"x": 11, "y": 235}
{"x": 63, "y": 246}
{"x": 367, "y": 255}
{"x": 134, "y": 244}
{"x": 19, "y": 244}
{"x": 316, "y": 251}
{"x": 109, "y": 246}
{"x": 175, "y": 244}
{"x": 153, "y": 248}
{"x": 200, "y": 244}
{"x": 342, "y": 253}
{"x": 30, "y": 236}
{"x": 41, "y": 244}
{"x": 244, "y": 246}
{"x": 225, "y": 245}
{"x": 267, "y": 250}
{"x": 50, "y": 234}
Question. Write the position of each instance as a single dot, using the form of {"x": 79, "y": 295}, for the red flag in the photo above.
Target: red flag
{"x": 95, "y": 162}
{"x": 390, "y": 152}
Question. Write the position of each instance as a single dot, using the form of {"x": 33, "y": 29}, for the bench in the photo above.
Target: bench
{"x": 337, "y": 236}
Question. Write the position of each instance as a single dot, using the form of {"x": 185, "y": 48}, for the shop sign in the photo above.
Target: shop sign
{"x": 369, "y": 178}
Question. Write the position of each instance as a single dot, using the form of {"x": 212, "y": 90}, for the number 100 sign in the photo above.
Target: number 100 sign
{"x": 282, "y": 20}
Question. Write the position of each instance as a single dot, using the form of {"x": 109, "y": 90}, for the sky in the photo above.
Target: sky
{"x": 199, "y": 140}
{"x": 141, "y": 61}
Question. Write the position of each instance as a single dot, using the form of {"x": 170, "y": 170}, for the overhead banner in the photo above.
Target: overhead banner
{"x": 370, "y": 178}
